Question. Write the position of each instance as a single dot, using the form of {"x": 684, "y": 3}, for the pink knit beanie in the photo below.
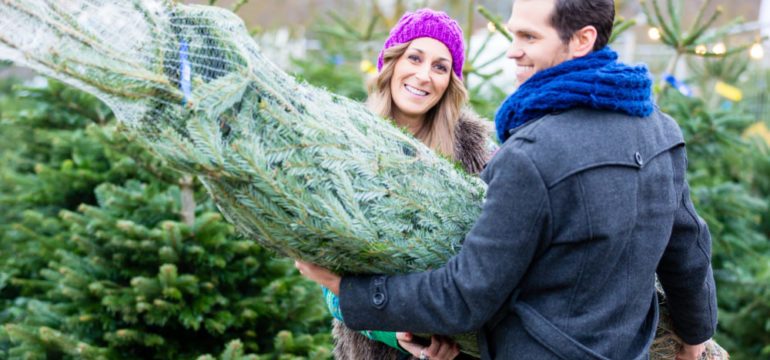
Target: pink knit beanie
{"x": 433, "y": 24}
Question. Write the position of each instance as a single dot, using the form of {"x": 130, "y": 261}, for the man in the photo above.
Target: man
{"x": 587, "y": 200}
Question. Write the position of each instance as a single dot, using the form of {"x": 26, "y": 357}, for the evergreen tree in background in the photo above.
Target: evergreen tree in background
{"x": 727, "y": 172}
{"x": 38, "y": 178}
{"x": 728, "y": 179}
{"x": 100, "y": 260}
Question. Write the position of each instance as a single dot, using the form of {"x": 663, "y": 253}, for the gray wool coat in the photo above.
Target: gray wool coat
{"x": 583, "y": 208}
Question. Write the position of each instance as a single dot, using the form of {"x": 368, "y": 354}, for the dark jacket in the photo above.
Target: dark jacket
{"x": 582, "y": 209}
{"x": 472, "y": 151}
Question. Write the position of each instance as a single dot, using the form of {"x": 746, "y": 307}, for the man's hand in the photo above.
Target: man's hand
{"x": 320, "y": 275}
{"x": 440, "y": 348}
{"x": 691, "y": 352}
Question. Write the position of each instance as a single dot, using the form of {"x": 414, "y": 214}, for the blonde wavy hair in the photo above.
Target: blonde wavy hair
{"x": 438, "y": 130}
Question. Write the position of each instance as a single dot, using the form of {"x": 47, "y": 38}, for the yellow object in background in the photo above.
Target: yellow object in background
{"x": 758, "y": 130}
{"x": 730, "y": 92}
{"x": 367, "y": 67}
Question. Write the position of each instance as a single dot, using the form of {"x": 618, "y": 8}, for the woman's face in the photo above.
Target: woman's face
{"x": 421, "y": 76}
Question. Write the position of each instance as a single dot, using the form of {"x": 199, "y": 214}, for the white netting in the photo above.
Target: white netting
{"x": 128, "y": 53}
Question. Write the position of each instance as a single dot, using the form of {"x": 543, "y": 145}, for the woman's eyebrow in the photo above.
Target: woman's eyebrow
{"x": 423, "y": 52}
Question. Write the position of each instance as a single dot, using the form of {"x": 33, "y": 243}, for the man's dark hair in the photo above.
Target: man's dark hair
{"x": 569, "y": 16}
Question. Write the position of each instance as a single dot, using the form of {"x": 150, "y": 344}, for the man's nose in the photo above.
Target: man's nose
{"x": 514, "y": 51}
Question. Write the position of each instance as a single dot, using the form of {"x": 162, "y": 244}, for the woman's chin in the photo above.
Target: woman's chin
{"x": 412, "y": 109}
{"x": 416, "y": 113}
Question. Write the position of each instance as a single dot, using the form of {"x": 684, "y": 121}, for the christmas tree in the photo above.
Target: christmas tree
{"x": 310, "y": 174}
{"x": 101, "y": 260}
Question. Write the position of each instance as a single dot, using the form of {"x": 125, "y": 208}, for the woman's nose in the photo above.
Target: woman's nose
{"x": 423, "y": 73}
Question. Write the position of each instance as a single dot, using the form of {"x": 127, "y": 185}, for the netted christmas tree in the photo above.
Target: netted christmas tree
{"x": 121, "y": 264}
{"x": 309, "y": 174}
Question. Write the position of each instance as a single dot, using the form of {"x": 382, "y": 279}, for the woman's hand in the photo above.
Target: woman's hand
{"x": 320, "y": 275}
{"x": 691, "y": 352}
{"x": 441, "y": 348}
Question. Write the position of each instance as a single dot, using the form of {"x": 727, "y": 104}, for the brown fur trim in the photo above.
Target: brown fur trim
{"x": 667, "y": 343}
{"x": 472, "y": 139}
{"x": 352, "y": 345}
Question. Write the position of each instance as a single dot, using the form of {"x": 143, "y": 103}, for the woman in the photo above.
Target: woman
{"x": 420, "y": 88}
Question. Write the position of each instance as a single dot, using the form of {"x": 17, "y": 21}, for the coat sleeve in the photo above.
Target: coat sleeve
{"x": 686, "y": 275}
{"x": 465, "y": 293}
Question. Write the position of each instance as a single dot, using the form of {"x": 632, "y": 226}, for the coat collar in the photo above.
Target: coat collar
{"x": 472, "y": 141}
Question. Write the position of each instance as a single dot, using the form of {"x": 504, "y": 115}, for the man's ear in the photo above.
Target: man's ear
{"x": 583, "y": 41}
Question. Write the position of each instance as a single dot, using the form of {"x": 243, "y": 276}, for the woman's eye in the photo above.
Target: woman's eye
{"x": 414, "y": 58}
{"x": 441, "y": 68}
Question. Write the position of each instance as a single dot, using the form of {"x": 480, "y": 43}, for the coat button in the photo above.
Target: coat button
{"x": 638, "y": 158}
{"x": 378, "y": 299}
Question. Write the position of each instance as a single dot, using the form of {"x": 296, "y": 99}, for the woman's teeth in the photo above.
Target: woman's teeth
{"x": 415, "y": 91}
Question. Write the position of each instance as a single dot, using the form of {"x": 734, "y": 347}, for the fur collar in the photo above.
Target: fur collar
{"x": 351, "y": 345}
{"x": 473, "y": 144}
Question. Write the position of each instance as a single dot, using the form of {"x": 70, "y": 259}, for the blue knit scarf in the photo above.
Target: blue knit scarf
{"x": 595, "y": 81}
